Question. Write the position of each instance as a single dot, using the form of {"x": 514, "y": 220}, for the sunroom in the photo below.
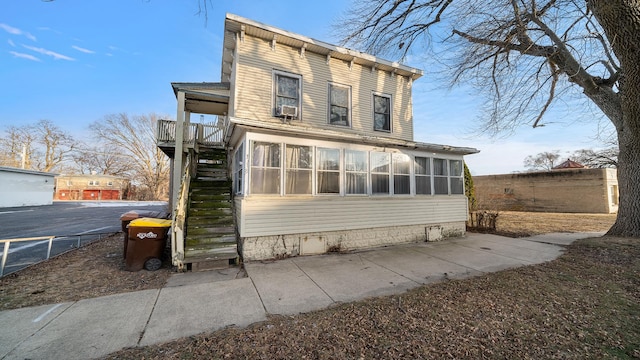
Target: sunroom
{"x": 306, "y": 191}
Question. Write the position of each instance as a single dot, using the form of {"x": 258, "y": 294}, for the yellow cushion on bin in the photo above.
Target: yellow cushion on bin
{"x": 150, "y": 222}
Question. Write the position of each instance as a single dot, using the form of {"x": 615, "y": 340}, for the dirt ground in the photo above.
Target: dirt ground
{"x": 98, "y": 269}
{"x": 91, "y": 271}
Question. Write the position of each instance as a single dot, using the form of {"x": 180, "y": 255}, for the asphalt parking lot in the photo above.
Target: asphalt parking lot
{"x": 69, "y": 222}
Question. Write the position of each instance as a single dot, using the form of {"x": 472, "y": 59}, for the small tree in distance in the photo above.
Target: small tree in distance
{"x": 542, "y": 161}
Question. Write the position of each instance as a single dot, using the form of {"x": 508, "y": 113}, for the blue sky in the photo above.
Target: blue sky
{"x": 75, "y": 61}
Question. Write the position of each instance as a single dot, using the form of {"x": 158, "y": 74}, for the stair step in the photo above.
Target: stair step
{"x": 194, "y": 242}
{"x": 227, "y": 252}
{"x": 210, "y": 230}
{"x": 204, "y": 196}
{"x": 201, "y": 221}
{"x": 210, "y": 205}
{"x": 209, "y": 212}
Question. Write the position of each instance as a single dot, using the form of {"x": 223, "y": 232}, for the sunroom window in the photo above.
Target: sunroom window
{"x": 339, "y": 105}
{"x": 355, "y": 164}
{"x": 401, "y": 174}
{"x": 265, "y": 168}
{"x": 440, "y": 177}
{"x": 456, "y": 179}
{"x": 298, "y": 160}
{"x": 380, "y": 173}
{"x": 422, "y": 171}
{"x": 328, "y": 171}
{"x": 238, "y": 161}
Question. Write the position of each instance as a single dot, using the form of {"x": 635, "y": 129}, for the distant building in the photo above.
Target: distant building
{"x": 19, "y": 187}
{"x": 90, "y": 187}
{"x": 566, "y": 189}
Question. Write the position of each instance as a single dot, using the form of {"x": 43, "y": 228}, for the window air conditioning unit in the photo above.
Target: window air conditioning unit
{"x": 287, "y": 111}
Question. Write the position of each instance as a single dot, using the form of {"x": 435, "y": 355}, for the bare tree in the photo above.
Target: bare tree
{"x": 44, "y": 146}
{"x": 105, "y": 159}
{"x": 134, "y": 137}
{"x": 543, "y": 161}
{"x": 525, "y": 55}
{"x": 602, "y": 158}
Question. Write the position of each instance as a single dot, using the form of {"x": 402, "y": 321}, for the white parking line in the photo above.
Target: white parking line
{"x": 15, "y": 211}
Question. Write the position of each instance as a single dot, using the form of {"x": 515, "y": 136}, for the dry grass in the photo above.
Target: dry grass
{"x": 527, "y": 223}
{"x": 94, "y": 270}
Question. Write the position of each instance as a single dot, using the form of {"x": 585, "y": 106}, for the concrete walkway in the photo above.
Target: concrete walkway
{"x": 192, "y": 303}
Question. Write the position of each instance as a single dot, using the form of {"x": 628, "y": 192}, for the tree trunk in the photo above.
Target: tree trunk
{"x": 620, "y": 20}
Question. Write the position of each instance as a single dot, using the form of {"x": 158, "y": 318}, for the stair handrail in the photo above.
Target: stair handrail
{"x": 180, "y": 217}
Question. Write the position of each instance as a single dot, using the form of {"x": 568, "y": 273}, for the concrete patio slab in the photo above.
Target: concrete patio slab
{"x": 193, "y": 309}
{"x": 91, "y": 328}
{"x": 201, "y": 277}
{"x": 349, "y": 277}
{"x": 563, "y": 238}
{"x": 24, "y": 323}
{"x": 479, "y": 260}
{"x": 513, "y": 251}
{"x": 407, "y": 261}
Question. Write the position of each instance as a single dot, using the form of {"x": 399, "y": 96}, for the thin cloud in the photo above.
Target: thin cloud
{"x": 53, "y": 54}
{"x": 24, "y": 56}
{"x": 86, "y": 51}
{"x": 16, "y": 31}
{"x": 11, "y": 43}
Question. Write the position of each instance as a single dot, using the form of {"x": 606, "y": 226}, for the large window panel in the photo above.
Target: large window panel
{"x": 299, "y": 169}
{"x": 356, "y": 169}
{"x": 401, "y": 174}
{"x": 422, "y": 171}
{"x": 239, "y": 169}
{"x": 339, "y": 105}
{"x": 380, "y": 173}
{"x": 456, "y": 179}
{"x": 382, "y": 112}
{"x": 328, "y": 171}
{"x": 265, "y": 168}
{"x": 440, "y": 177}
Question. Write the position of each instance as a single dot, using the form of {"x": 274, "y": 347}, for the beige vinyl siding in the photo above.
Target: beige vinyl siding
{"x": 278, "y": 216}
{"x": 255, "y": 64}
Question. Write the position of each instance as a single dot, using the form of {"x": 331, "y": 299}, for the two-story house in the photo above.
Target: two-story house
{"x": 320, "y": 151}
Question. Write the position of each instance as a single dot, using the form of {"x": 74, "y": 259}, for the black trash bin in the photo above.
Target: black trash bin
{"x": 127, "y": 217}
{"x": 146, "y": 244}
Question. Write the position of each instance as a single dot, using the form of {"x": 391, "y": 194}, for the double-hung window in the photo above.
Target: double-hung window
{"x": 422, "y": 171}
{"x": 401, "y": 174}
{"x": 456, "y": 180}
{"x": 440, "y": 177}
{"x": 381, "y": 112}
{"x": 356, "y": 169}
{"x": 298, "y": 162}
{"x": 265, "y": 168}
{"x": 287, "y": 94}
{"x": 339, "y": 105}
{"x": 380, "y": 173}
{"x": 328, "y": 171}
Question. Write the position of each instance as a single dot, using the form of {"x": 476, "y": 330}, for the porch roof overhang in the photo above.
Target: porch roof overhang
{"x": 333, "y": 135}
{"x": 205, "y": 97}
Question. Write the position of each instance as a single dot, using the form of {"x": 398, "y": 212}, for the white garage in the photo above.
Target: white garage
{"x": 19, "y": 187}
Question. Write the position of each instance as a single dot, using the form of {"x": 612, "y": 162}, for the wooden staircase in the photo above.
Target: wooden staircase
{"x": 210, "y": 240}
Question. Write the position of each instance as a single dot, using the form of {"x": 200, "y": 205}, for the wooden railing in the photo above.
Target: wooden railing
{"x": 205, "y": 134}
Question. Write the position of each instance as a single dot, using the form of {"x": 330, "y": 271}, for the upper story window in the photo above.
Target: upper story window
{"x": 287, "y": 94}
{"x": 339, "y": 105}
{"x": 94, "y": 182}
{"x": 110, "y": 183}
{"x": 381, "y": 112}
{"x": 265, "y": 168}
